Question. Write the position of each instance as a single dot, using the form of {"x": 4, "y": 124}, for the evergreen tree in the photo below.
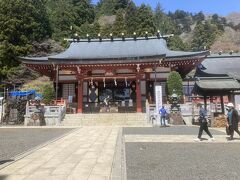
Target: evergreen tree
{"x": 182, "y": 19}
{"x": 106, "y": 30}
{"x": 61, "y": 17}
{"x": 145, "y": 21}
{"x": 131, "y": 19}
{"x": 220, "y": 22}
{"x": 176, "y": 43}
{"x": 69, "y": 13}
{"x": 204, "y": 36}
{"x": 199, "y": 17}
{"x": 106, "y": 7}
{"x": 21, "y": 22}
{"x": 84, "y": 12}
{"x": 121, "y": 4}
{"x": 110, "y": 7}
{"x": 48, "y": 94}
{"x": 163, "y": 22}
{"x": 119, "y": 25}
{"x": 174, "y": 82}
{"x": 91, "y": 29}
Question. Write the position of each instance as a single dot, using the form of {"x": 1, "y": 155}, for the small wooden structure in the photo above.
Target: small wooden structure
{"x": 218, "y": 76}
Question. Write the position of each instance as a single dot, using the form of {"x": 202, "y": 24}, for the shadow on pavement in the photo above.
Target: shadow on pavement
{"x": 2, "y": 177}
{"x": 5, "y": 161}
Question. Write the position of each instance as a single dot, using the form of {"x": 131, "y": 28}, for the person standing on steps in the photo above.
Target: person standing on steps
{"x": 203, "y": 124}
{"x": 163, "y": 114}
{"x": 233, "y": 119}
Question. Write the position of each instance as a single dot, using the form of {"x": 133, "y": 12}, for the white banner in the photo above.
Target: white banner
{"x": 158, "y": 97}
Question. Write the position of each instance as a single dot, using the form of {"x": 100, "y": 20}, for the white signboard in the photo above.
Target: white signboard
{"x": 237, "y": 102}
{"x": 1, "y": 108}
{"x": 158, "y": 97}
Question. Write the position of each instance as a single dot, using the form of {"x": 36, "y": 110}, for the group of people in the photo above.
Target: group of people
{"x": 232, "y": 122}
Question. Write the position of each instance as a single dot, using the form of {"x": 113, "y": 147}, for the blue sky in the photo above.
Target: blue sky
{"x": 222, "y": 7}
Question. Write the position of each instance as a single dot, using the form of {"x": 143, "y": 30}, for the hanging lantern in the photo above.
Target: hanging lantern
{"x": 104, "y": 83}
{"x": 148, "y": 70}
{"x": 92, "y": 83}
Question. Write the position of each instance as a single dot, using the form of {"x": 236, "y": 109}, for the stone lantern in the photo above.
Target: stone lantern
{"x": 175, "y": 115}
{"x": 175, "y": 107}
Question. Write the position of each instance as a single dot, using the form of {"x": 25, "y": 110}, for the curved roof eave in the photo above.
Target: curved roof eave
{"x": 117, "y": 50}
{"x": 226, "y": 65}
{"x": 182, "y": 54}
{"x": 35, "y": 60}
{"x": 217, "y": 83}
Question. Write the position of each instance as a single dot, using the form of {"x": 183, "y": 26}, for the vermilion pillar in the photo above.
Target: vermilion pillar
{"x": 138, "y": 95}
{"x": 80, "y": 96}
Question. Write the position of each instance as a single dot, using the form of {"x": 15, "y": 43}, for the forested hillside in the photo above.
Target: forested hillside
{"x": 25, "y": 24}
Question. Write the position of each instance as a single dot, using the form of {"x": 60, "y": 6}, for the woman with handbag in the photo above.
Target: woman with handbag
{"x": 203, "y": 124}
{"x": 233, "y": 119}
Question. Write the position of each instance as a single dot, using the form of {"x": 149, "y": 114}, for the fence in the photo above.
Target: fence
{"x": 53, "y": 115}
{"x": 188, "y": 112}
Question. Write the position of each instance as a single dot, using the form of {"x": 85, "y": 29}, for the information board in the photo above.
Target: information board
{"x": 158, "y": 97}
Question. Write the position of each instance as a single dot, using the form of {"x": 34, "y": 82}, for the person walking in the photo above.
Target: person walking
{"x": 233, "y": 119}
{"x": 163, "y": 114}
{"x": 203, "y": 124}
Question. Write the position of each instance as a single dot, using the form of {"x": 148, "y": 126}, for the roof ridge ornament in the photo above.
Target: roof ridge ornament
{"x": 76, "y": 37}
{"x": 111, "y": 36}
{"x": 100, "y": 38}
{"x": 134, "y": 36}
{"x": 123, "y": 37}
{"x": 138, "y": 67}
{"x": 146, "y": 35}
{"x": 88, "y": 37}
{"x": 159, "y": 34}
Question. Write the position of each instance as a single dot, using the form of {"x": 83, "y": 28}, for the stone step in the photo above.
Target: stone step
{"x": 75, "y": 120}
{"x": 124, "y": 119}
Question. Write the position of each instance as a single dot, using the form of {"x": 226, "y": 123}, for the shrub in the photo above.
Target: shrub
{"x": 48, "y": 94}
{"x": 174, "y": 82}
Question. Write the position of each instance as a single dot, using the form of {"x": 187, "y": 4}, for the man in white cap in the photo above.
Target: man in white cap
{"x": 233, "y": 119}
{"x": 203, "y": 124}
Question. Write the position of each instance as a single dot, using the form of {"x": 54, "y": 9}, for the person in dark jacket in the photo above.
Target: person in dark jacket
{"x": 203, "y": 124}
{"x": 233, "y": 119}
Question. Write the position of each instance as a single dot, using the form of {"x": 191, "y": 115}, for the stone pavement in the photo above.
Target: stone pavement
{"x": 175, "y": 134}
{"x": 86, "y": 153}
{"x": 177, "y": 139}
{"x": 170, "y": 153}
{"x": 18, "y": 140}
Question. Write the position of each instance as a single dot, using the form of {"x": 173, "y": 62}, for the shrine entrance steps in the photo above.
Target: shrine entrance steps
{"x": 108, "y": 119}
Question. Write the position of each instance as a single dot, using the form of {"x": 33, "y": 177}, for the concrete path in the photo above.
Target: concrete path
{"x": 170, "y": 153}
{"x": 177, "y": 139}
{"x": 85, "y": 154}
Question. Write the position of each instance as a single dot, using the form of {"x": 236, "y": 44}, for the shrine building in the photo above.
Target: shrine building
{"x": 122, "y": 70}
